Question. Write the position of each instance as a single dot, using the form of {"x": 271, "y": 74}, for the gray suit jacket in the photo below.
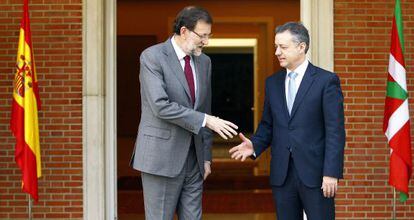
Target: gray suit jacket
{"x": 168, "y": 118}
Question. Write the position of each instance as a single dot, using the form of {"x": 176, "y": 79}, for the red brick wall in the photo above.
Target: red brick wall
{"x": 362, "y": 42}
{"x": 57, "y": 42}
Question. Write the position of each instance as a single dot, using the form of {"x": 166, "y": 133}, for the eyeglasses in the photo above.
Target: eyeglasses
{"x": 204, "y": 36}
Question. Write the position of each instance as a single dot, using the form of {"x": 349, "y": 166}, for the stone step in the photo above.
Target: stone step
{"x": 230, "y": 201}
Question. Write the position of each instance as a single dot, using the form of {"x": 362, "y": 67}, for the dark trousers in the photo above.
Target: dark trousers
{"x": 293, "y": 197}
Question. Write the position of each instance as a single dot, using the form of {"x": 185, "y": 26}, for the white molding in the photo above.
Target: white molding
{"x": 317, "y": 16}
{"x": 232, "y": 42}
{"x": 99, "y": 110}
{"x": 110, "y": 111}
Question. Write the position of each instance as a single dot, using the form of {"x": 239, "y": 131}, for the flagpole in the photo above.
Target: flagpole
{"x": 393, "y": 204}
{"x": 30, "y": 207}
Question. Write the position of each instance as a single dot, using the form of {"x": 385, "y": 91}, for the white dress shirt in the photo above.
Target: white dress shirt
{"x": 300, "y": 70}
{"x": 180, "y": 54}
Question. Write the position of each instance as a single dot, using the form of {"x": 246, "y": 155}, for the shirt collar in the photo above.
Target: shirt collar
{"x": 301, "y": 69}
{"x": 180, "y": 53}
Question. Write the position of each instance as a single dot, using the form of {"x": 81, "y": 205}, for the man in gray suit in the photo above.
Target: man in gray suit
{"x": 173, "y": 146}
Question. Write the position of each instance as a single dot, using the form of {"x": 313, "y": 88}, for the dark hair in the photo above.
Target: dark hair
{"x": 298, "y": 30}
{"x": 189, "y": 16}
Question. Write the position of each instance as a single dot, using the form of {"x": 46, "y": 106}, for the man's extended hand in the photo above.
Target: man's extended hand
{"x": 207, "y": 169}
{"x": 222, "y": 127}
{"x": 329, "y": 186}
{"x": 243, "y": 150}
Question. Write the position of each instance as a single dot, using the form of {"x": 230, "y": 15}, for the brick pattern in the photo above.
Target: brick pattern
{"x": 57, "y": 40}
{"x": 362, "y": 40}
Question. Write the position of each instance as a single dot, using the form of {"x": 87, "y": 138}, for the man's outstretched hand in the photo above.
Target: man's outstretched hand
{"x": 243, "y": 150}
{"x": 222, "y": 127}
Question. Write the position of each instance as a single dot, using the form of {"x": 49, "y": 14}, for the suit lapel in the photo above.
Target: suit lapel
{"x": 175, "y": 65}
{"x": 303, "y": 88}
{"x": 281, "y": 87}
{"x": 200, "y": 74}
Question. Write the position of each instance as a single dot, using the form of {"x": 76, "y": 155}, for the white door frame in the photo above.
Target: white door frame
{"x": 99, "y": 110}
{"x": 99, "y": 94}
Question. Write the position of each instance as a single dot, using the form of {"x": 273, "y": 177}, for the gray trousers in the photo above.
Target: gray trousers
{"x": 183, "y": 194}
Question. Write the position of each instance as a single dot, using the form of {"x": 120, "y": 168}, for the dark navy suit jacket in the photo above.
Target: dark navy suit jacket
{"x": 314, "y": 132}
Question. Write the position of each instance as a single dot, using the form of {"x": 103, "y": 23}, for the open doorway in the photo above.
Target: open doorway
{"x": 247, "y": 21}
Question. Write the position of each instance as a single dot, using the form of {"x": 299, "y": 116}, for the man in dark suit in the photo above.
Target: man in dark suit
{"x": 303, "y": 122}
{"x": 173, "y": 146}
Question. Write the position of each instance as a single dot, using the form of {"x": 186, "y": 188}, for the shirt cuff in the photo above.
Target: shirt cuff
{"x": 204, "y": 121}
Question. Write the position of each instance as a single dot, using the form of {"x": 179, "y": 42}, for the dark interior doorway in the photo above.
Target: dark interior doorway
{"x": 232, "y": 88}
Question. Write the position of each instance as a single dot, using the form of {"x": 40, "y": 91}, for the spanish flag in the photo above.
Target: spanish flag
{"x": 26, "y": 101}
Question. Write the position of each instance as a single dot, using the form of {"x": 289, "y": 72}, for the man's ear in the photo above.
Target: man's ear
{"x": 183, "y": 30}
{"x": 303, "y": 46}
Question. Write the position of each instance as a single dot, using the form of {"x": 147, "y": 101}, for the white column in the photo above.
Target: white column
{"x": 99, "y": 109}
{"x": 93, "y": 111}
{"x": 110, "y": 111}
{"x": 317, "y": 16}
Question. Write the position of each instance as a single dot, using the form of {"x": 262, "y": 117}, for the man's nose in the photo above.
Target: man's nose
{"x": 277, "y": 51}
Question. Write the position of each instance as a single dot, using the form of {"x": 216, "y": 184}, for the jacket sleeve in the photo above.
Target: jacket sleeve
{"x": 207, "y": 133}
{"x": 154, "y": 91}
{"x": 333, "y": 112}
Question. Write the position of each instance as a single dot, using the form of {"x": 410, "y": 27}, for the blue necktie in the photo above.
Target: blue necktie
{"x": 291, "y": 90}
